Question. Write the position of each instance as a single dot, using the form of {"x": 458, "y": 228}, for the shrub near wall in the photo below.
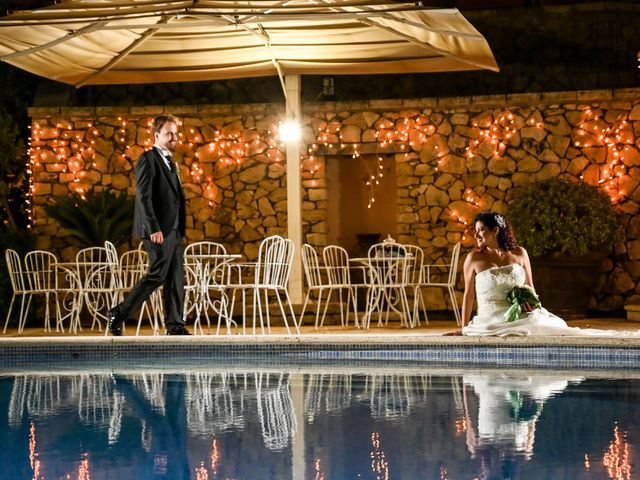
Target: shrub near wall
{"x": 454, "y": 157}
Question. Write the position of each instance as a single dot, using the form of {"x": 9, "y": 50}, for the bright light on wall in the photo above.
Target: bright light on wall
{"x": 289, "y": 131}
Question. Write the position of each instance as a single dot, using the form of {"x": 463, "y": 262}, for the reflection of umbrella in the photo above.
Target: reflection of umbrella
{"x": 83, "y": 42}
{"x": 107, "y": 42}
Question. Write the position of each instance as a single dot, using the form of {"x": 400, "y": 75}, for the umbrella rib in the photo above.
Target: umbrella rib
{"x": 53, "y": 43}
{"x": 114, "y": 61}
{"x": 451, "y": 33}
{"x": 264, "y": 36}
{"x": 254, "y": 17}
{"x": 389, "y": 16}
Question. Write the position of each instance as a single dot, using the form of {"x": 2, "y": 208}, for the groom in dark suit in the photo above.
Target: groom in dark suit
{"x": 159, "y": 220}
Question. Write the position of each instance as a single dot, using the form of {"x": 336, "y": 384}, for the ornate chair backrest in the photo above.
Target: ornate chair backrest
{"x": 415, "y": 260}
{"x": 453, "y": 270}
{"x": 311, "y": 265}
{"x": 197, "y": 263}
{"x": 40, "y": 270}
{"x": 14, "y": 266}
{"x": 336, "y": 259}
{"x": 388, "y": 264}
{"x": 133, "y": 265}
{"x": 96, "y": 268}
{"x": 205, "y": 248}
{"x": 275, "y": 258}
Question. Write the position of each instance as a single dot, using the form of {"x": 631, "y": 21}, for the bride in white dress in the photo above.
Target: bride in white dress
{"x": 490, "y": 272}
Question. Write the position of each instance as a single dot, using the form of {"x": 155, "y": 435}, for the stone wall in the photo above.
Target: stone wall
{"x": 454, "y": 157}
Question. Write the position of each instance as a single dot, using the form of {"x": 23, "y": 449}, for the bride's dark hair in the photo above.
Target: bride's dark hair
{"x": 506, "y": 238}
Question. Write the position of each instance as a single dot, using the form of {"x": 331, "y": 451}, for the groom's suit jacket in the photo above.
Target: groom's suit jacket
{"x": 159, "y": 204}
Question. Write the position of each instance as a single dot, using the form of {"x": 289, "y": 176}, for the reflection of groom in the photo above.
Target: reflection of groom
{"x": 169, "y": 431}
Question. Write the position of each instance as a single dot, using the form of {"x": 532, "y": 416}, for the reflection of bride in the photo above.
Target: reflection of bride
{"x": 508, "y": 405}
{"x": 502, "y": 409}
{"x": 490, "y": 272}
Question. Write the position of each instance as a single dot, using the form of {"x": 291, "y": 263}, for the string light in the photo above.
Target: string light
{"x": 497, "y": 133}
{"x": 73, "y": 151}
{"x": 615, "y": 139}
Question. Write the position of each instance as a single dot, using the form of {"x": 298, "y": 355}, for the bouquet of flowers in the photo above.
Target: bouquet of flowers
{"x": 516, "y": 297}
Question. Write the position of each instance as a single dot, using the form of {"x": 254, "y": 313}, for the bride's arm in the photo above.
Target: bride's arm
{"x": 469, "y": 289}
{"x": 526, "y": 264}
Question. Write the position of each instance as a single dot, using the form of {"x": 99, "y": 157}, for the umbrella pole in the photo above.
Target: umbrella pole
{"x": 294, "y": 188}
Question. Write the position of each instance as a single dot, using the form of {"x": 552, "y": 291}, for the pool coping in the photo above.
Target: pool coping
{"x": 256, "y": 351}
{"x": 318, "y": 340}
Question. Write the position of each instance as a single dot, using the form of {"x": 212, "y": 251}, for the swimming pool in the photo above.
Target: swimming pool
{"x": 247, "y": 416}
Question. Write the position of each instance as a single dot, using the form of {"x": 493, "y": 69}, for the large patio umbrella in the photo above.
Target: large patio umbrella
{"x": 83, "y": 42}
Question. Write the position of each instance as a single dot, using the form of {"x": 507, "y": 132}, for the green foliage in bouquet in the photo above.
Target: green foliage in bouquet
{"x": 100, "y": 216}
{"x": 516, "y": 297}
{"x": 556, "y": 215}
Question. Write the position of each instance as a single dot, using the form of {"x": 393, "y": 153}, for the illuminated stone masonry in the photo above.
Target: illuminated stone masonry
{"x": 454, "y": 157}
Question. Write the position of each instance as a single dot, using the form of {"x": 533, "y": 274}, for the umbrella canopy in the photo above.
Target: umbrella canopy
{"x": 83, "y": 42}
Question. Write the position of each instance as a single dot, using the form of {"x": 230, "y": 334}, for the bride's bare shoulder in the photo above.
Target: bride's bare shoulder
{"x": 475, "y": 256}
{"x": 519, "y": 251}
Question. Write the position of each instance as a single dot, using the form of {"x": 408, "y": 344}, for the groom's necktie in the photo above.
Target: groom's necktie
{"x": 169, "y": 162}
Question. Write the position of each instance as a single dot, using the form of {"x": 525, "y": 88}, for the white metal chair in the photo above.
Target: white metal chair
{"x": 204, "y": 272}
{"x": 19, "y": 285}
{"x": 112, "y": 253}
{"x": 339, "y": 268}
{"x": 41, "y": 273}
{"x": 317, "y": 280}
{"x": 387, "y": 283}
{"x": 270, "y": 274}
{"x": 97, "y": 272}
{"x": 132, "y": 266}
{"x": 414, "y": 281}
{"x": 434, "y": 272}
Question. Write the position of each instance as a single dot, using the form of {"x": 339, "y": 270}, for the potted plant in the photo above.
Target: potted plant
{"x": 568, "y": 228}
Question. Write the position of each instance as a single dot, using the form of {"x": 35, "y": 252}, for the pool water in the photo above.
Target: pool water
{"x": 319, "y": 423}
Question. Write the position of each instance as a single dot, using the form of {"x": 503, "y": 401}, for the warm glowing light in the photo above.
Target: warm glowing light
{"x": 379, "y": 463}
{"x": 215, "y": 457}
{"x": 290, "y": 131}
{"x": 319, "y": 474}
{"x": 461, "y": 424}
{"x": 617, "y": 458}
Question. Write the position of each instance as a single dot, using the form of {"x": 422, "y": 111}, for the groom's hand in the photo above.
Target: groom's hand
{"x": 156, "y": 237}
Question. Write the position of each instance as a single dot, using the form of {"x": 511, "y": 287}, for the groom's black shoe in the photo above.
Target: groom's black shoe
{"x": 116, "y": 320}
{"x": 178, "y": 330}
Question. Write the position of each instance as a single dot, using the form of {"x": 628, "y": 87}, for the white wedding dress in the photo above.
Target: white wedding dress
{"x": 492, "y": 286}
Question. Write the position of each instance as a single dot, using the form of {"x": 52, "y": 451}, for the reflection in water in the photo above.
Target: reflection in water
{"x": 507, "y": 406}
{"x": 617, "y": 458}
{"x": 366, "y": 423}
{"x": 502, "y": 411}
{"x": 379, "y": 464}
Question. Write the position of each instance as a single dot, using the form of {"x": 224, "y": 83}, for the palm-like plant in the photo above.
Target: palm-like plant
{"x": 97, "y": 217}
